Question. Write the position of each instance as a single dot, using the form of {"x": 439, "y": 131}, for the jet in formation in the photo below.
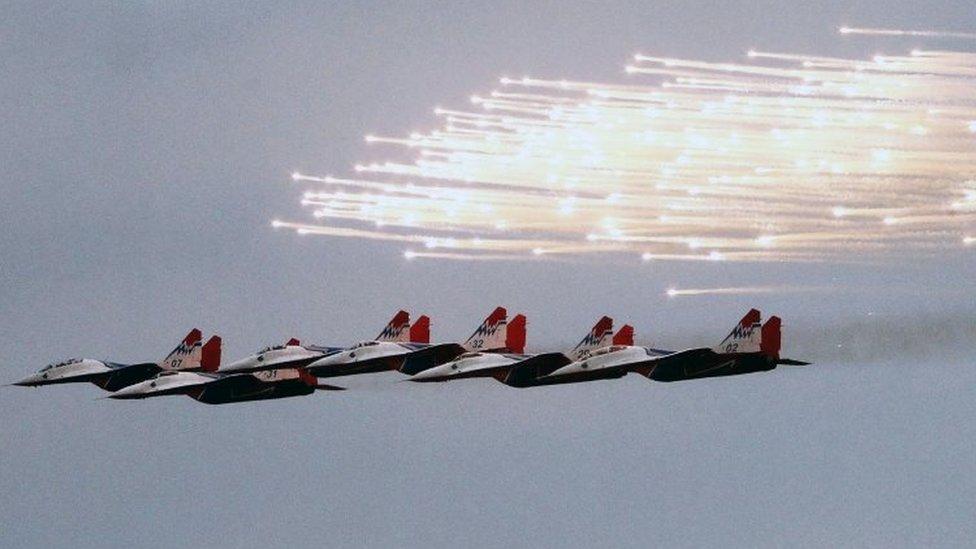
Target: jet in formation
{"x": 189, "y": 356}
{"x": 495, "y": 350}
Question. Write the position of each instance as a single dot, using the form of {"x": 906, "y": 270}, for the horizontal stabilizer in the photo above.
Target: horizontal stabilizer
{"x": 791, "y": 362}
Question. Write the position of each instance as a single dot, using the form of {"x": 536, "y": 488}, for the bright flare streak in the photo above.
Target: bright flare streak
{"x": 898, "y": 32}
{"x": 781, "y": 157}
{"x": 745, "y": 290}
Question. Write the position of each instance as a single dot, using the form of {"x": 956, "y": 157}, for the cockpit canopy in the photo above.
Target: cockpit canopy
{"x": 362, "y": 344}
{"x": 63, "y": 363}
{"x": 274, "y": 348}
{"x": 610, "y": 349}
{"x": 471, "y": 354}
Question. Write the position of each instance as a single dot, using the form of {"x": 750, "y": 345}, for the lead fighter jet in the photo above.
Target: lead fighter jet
{"x": 189, "y": 355}
{"x": 750, "y": 347}
{"x": 219, "y": 388}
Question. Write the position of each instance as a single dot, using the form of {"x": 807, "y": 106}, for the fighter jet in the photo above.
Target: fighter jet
{"x": 217, "y": 388}
{"x": 294, "y": 355}
{"x": 410, "y": 358}
{"x": 189, "y": 355}
{"x": 501, "y": 365}
{"x": 750, "y": 347}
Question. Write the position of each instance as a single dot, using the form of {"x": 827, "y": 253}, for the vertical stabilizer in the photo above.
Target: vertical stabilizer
{"x": 771, "y": 337}
{"x": 515, "y": 335}
{"x": 599, "y": 336}
{"x": 624, "y": 336}
{"x": 490, "y": 336}
{"x": 210, "y": 357}
{"x": 398, "y": 329}
{"x": 186, "y": 355}
{"x": 745, "y": 337}
{"x": 420, "y": 330}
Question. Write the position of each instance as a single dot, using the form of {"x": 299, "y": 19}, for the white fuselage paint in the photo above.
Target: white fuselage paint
{"x": 468, "y": 363}
{"x": 615, "y": 356}
{"x": 278, "y": 357}
{"x": 66, "y": 371}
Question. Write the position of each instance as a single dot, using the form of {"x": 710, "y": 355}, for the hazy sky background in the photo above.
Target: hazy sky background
{"x": 145, "y": 148}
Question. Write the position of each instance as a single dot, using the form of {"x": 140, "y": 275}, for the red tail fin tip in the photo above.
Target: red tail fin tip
{"x": 752, "y": 317}
{"x": 400, "y": 319}
{"x": 293, "y": 342}
{"x": 193, "y": 337}
{"x": 496, "y": 316}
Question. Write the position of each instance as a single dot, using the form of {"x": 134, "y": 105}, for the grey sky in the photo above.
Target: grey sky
{"x": 146, "y": 147}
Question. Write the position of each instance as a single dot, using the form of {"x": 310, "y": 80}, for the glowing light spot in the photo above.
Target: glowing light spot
{"x": 890, "y": 220}
{"x": 647, "y": 256}
{"x": 839, "y": 211}
{"x": 969, "y": 240}
{"x": 716, "y": 256}
{"x": 672, "y": 292}
{"x": 538, "y": 251}
{"x": 295, "y": 176}
{"x": 276, "y": 224}
{"x": 972, "y": 126}
{"x": 409, "y": 254}
{"x": 765, "y": 241}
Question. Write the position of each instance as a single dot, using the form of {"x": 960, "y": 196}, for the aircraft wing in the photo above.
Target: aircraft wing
{"x": 526, "y": 372}
{"x": 688, "y": 362}
{"x": 237, "y": 385}
{"x": 428, "y": 356}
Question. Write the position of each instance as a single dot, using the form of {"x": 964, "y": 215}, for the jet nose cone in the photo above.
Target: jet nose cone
{"x": 330, "y": 360}
{"x": 439, "y": 373}
{"x": 29, "y": 381}
{"x": 127, "y": 393}
{"x": 565, "y": 370}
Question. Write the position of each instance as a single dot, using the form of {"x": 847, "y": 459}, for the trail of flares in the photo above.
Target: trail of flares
{"x": 782, "y": 157}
